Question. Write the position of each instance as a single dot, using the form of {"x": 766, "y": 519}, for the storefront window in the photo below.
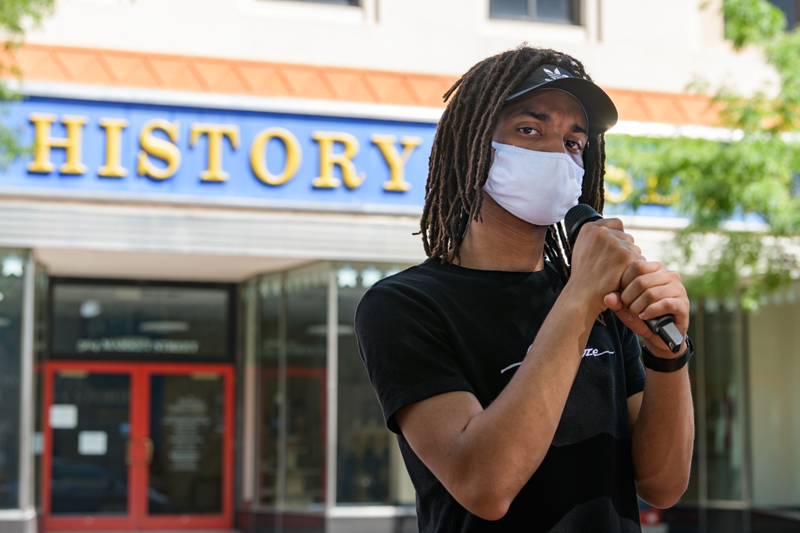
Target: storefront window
{"x": 287, "y": 339}
{"x": 692, "y": 493}
{"x": 102, "y": 319}
{"x": 304, "y": 392}
{"x": 774, "y": 372}
{"x": 370, "y": 469}
{"x": 292, "y": 391}
{"x": 40, "y": 338}
{"x": 723, "y": 361}
{"x": 12, "y": 264}
{"x": 270, "y": 357}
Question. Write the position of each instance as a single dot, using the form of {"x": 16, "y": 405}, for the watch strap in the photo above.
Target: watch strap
{"x": 660, "y": 364}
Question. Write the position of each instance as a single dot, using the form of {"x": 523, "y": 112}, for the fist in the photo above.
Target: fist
{"x": 649, "y": 290}
{"x": 601, "y": 255}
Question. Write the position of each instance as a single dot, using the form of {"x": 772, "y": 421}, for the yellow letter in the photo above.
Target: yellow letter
{"x": 652, "y": 196}
{"x": 113, "y": 167}
{"x": 396, "y": 162}
{"x": 215, "y": 133}
{"x": 72, "y": 143}
{"x": 258, "y": 156}
{"x": 159, "y": 148}
{"x": 620, "y": 178}
{"x": 327, "y": 159}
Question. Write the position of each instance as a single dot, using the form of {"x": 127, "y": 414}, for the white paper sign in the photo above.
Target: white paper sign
{"x": 63, "y": 416}
{"x": 92, "y": 442}
{"x": 38, "y": 443}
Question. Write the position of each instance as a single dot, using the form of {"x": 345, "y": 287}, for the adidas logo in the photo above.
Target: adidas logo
{"x": 555, "y": 75}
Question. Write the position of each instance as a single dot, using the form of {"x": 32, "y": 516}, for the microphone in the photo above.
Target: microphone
{"x": 663, "y": 326}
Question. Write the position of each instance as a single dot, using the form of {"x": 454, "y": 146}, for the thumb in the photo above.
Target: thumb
{"x": 613, "y": 301}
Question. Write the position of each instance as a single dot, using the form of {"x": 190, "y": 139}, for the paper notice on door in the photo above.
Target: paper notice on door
{"x": 92, "y": 442}
{"x": 63, "y": 416}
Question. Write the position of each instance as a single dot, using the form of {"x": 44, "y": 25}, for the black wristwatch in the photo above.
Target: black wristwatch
{"x": 667, "y": 365}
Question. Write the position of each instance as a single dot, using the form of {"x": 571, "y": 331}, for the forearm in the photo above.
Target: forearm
{"x": 663, "y": 438}
{"x": 500, "y": 448}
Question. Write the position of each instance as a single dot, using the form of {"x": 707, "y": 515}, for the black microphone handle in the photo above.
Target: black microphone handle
{"x": 663, "y": 326}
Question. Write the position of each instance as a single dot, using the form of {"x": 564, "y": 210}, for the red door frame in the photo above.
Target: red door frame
{"x": 138, "y": 474}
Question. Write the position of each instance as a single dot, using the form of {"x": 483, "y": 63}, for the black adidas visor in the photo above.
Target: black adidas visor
{"x": 601, "y": 113}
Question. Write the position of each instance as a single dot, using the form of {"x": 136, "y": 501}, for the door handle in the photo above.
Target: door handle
{"x": 148, "y": 451}
{"x": 148, "y": 446}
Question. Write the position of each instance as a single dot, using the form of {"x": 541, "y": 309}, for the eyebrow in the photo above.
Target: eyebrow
{"x": 544, "y": 117}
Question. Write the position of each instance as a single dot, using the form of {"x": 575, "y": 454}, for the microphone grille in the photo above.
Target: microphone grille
{"x": 577, "y": 216}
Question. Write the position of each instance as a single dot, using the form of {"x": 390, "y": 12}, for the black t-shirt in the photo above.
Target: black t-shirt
{"x": 437, "y": 328}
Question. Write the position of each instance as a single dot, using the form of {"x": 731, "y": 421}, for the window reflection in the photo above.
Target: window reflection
{"x": 95, "y": 319}
{"x": 774, "y": 397}
{"x": 724, "y": 405}
{"x": 305, "y": 378}
{"x": 692, "y": 493}
{"x": 90, "y": 474}
{"x": 290, "y": 393}
{"x": 268, "y": 400}
{"x": 369, "y": 465}
{"x": 11, "y": 297}
{"x": 186, "y": 425}
{"x": 558, "y": 11}
{"x": 363, "y": 444}
{"x": 292, "y": 374}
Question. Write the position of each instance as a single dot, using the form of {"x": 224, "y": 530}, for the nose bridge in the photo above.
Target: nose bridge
{"x": 552, "y": 141}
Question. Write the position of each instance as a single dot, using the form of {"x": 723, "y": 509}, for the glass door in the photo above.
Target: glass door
{"x": 92, "y": 447}
{"x": 190, "y": 431}
{"x": 137, "y": 446}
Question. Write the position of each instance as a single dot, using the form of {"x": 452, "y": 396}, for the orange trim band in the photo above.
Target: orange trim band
{"x": 260, "y": 78}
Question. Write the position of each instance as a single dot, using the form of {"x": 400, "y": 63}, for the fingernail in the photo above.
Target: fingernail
{"x": 641, "y": 315}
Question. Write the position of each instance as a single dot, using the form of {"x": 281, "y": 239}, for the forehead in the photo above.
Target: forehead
{"x": 549, "y": 101}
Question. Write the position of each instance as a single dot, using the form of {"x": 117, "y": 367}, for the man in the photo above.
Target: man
{"x": 508, "y": 362}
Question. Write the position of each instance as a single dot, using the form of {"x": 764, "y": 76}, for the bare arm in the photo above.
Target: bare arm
{"x": 484, "y": 457}
{"x": 662, "y": 417}
{"x": 663, "y": 437}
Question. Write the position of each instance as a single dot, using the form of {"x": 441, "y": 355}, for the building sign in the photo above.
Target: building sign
{"x": 165, "y": 151}
{"x": 198, "y": 155}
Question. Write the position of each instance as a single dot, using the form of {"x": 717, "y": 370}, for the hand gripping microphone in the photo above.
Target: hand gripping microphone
{"x": 663, "y": 326}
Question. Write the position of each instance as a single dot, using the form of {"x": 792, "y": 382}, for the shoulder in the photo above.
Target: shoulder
{"x": 395, "y": 299}
{"x": 414, "y": 284}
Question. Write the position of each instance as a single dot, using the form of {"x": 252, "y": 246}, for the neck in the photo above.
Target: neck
{"x": 501, "y": 241}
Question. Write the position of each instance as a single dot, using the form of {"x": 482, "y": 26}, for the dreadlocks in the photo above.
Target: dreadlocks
{"x": 461, "y": 155}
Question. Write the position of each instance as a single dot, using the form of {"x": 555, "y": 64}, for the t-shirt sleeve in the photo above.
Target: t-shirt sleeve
{"x": 632, "y": 353}
{"x": 405, "y": 348}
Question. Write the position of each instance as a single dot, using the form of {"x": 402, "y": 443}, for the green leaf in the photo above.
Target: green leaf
{"x": 15, "y": 16}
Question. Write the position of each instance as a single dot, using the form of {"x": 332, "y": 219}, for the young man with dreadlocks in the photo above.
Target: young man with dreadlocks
{"x": 508, "y": 362}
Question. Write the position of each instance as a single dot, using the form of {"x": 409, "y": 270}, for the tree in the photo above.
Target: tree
{"x": 15, "y": 15}
{"x": 750, "y": 175}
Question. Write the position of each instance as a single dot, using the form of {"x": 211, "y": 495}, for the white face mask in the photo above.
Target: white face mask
{"x": 538, "y": 187}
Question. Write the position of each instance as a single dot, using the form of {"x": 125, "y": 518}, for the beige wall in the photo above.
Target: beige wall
{"x": 630, "y": 44}
{"x": 774, "y": 362}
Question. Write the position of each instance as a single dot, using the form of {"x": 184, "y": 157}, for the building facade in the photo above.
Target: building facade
{"x": 211, "y": 188}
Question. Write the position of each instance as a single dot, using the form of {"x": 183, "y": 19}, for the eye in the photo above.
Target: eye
{"x": 527, "y": 130}
{"x": 575, "y": 146}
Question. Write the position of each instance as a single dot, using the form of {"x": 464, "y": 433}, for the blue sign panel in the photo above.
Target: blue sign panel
{"x": 219, "y": 155}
